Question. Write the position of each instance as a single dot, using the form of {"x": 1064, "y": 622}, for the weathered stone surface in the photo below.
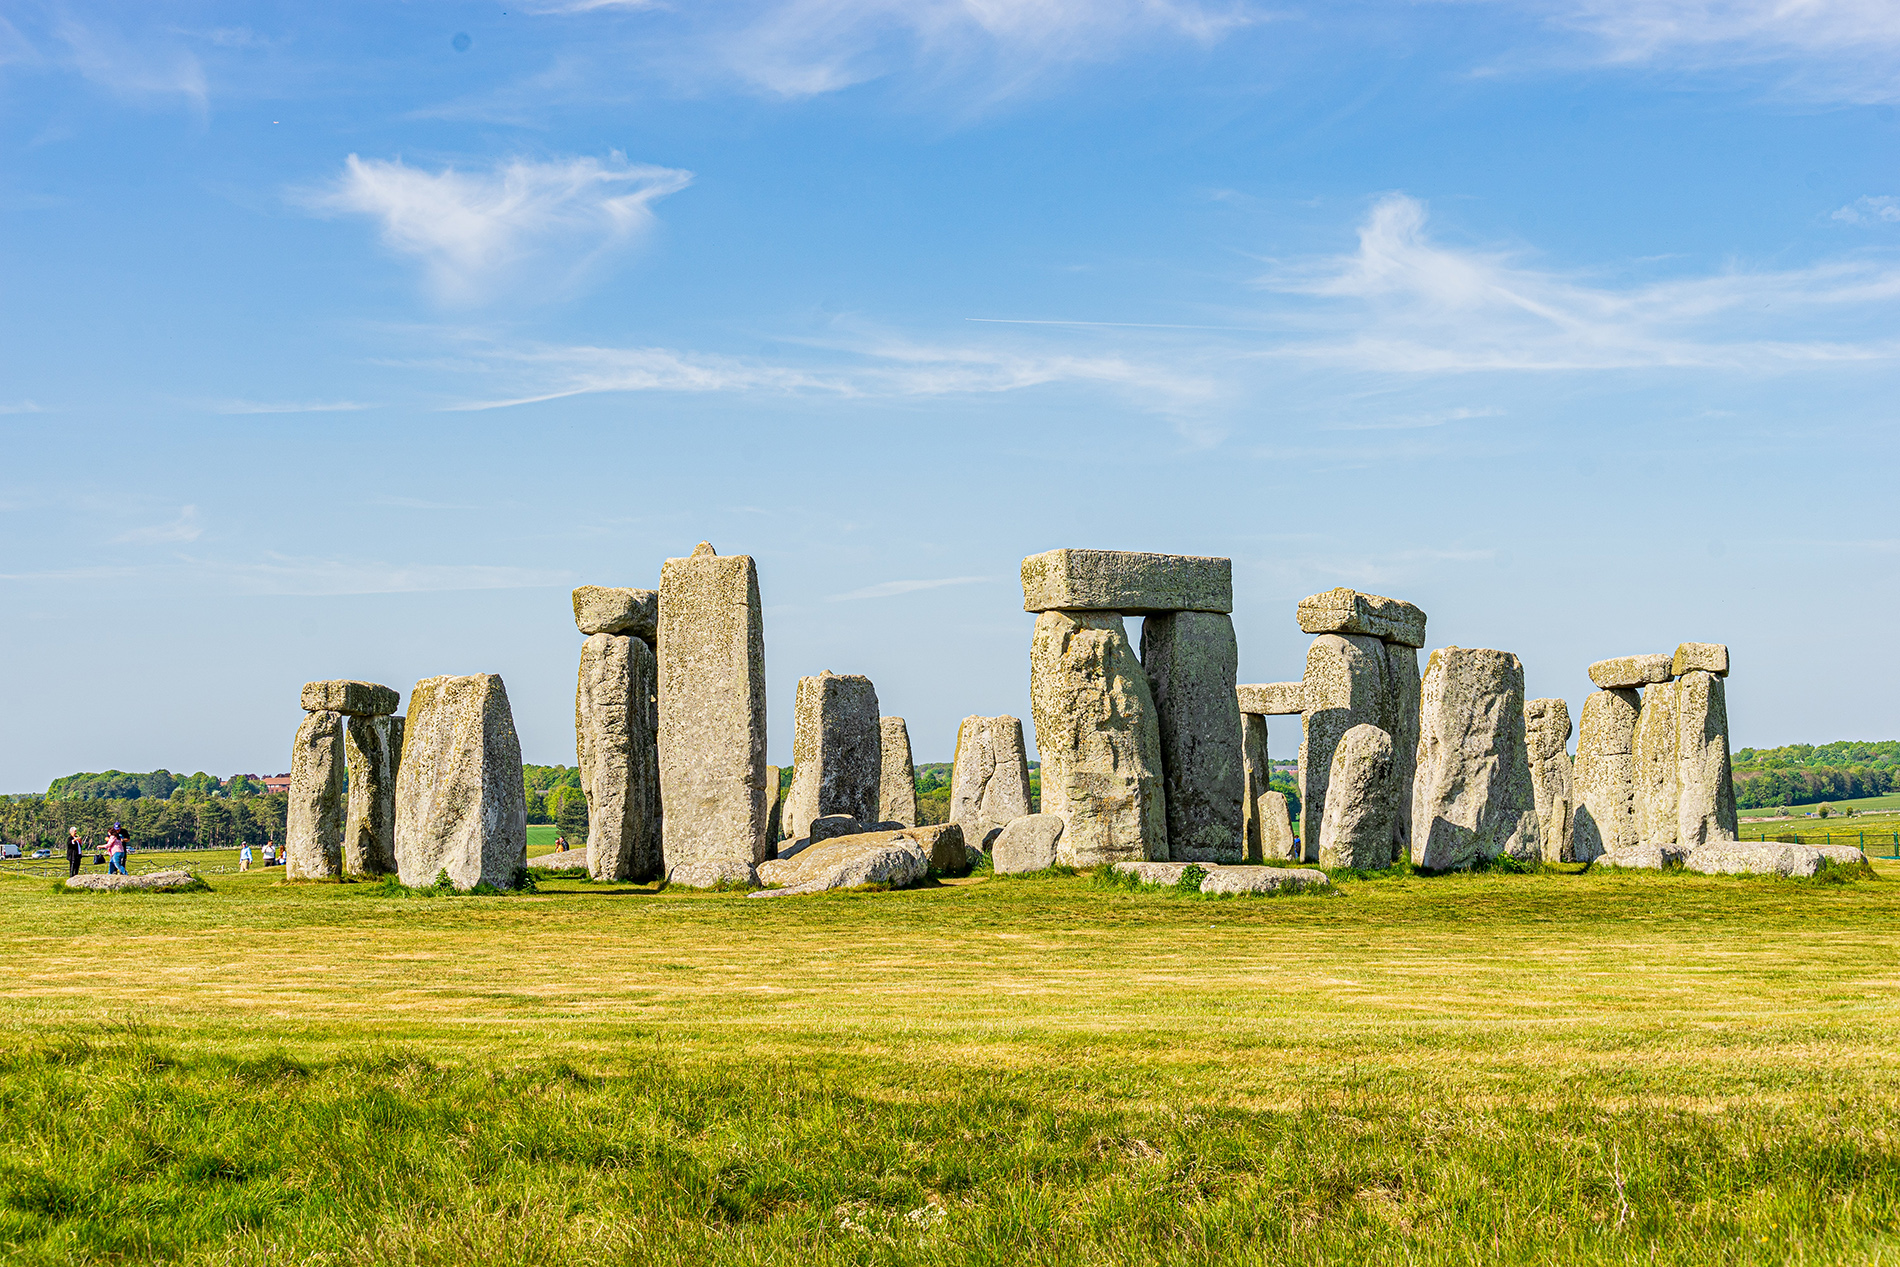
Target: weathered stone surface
{"x": 602, "y": 609}
{"x": 1257, "y": 767}
{"x": 1098, "y": 739}
{"x": 944, "y": 845}
{"x": 1277, "y": 842}
{"x": 897, "y": 786}
{"x": 1166, "y": 874}
{"x": 1604, "y": 779}
{"x": 1472, "y": 797}
{"x": 831, "y": 826}
{"x": 358, "y": 699}
{"x": 1127, "y": 582}
{"x": 1344, "y": 686}
{"x": 774, "y": 809}
{"x": 1028, "y": 843}
{"x": 1191, "y": 660}
{"x": 1547, "y": 740}
{"x": 1361, "y": 801}
{"x": 1849, "y": 855}
{"x": 712, "y": 714}
{"x": 372, "y": 748}
{"x": 837, "y": 752}
{"x": 1272, "y": 699}
{"x": 614, "y": 718}
{"x": 1709, "y": 657}
{"x": 989, "y": 777}
{"x": 1401, "y": 722}
{"x": 1734, "y": 857}
{"x": 1347, "y": 611}
{"x": 1639, "y": 857}
{"x": 1705, "y": 782}
{"x": 1262, "y": 879}
{"x": 153, "y": 880}
{"x": 313, "y": 831}
{"x": 460, "y": 806}
{"x": 887, "y": 858}
{"x": 1653, "y": 761}
{"x": 1630, "y": 670}
{"x": 713, "y": 874}
{"x": 561, "y": 860}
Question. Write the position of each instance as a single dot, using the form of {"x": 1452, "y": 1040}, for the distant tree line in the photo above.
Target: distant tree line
{"x": 1805, "y": 774}
{"x": 175, "y": 822}
{"x": 118, "y": 785}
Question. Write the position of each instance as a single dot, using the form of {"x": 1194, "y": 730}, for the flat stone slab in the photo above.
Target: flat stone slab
{"x": 1126, "y": 581}
{"x": 152, "y": 881}
{"x": 1272, "y": 699}
{"x": 357, "y": 699}
{"x": 1638, "y": 857}
{"x": 710, "y": 875}
{"x": 1848, "y": 854}
{"x": 888, "y": 858}
{"x": 1347, "y": 611}
{"x": 561, "y": 860}
{"x": 1736, "y": 857}
{"x": 611, "y": 610}
{"x": 1709, "y": 657}
{"x": 1262, "y": 879}
{"x": 1632, "y": 670}
{"x": 1164, "y": 873}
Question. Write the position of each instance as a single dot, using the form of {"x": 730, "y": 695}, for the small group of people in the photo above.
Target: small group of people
{"x": 117, "y": 844}
{"x": 270, "y": 855}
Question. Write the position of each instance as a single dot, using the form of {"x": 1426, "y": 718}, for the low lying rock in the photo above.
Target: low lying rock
{"x": 1640, "y": 857}
{"x": 889, "y": 858}
{"x": 1262, "y": 879}
{"x": 560, "y": 860}
{"x": 1028, "y": 843}
{"x": 1163, "y": 873}
{"x": 944, "y": 845}
{"x": 156, "y": 880}
{"x": 710, "y": 875}
{"x": 1737, "y": 857}
{"x": 1848, "y": 855}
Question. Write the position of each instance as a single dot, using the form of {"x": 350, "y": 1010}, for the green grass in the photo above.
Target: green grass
{"x": 1548, "y": 1068}
{"x": 1889, "y": 804}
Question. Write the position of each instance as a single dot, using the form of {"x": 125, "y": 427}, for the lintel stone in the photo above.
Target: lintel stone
{"x": 1126, "y": 581}
{"x": 1272, "y": 699}
{"x": 605, "y": 609}
{"x": 1347, "y": 611}
{"x": 1710, "y": 657}
{"x": 1626, "y": 671}
{"x": 353, "y": 699}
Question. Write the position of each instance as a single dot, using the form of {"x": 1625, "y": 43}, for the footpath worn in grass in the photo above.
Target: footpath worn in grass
{"x": 1496, "y": 1068}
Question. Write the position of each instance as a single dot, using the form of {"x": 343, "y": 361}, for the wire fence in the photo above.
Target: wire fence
{"x": 1887, "y": 843}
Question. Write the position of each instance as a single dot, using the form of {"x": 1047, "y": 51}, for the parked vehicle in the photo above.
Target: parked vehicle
{"x": 9, "y": 850}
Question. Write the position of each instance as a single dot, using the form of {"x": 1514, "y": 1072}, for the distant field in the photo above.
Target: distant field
{"x": 1889, "y": 802}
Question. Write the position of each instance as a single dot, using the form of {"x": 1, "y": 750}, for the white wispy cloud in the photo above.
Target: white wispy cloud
{"x": 288, "y": 406}
{"x": 477, "y": 231}
{"x": 183, "y": 528}
{"x": 148, "y": 66}
{"x": 1881, "y": 209}
{"x": 889, "y": 589}
{"x": 1408, "y": 303}
{"x": 20, "y": 407}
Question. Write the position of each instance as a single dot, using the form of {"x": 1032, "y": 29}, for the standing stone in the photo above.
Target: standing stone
{"x": 1705, "y": 783}
{"x": 774, "y": 809}
{"x": 1344, "y": 686}
{"x": 1401, "y": 722}
{"x": 1257, "y": 766}
{"x": 1653, "y": 760}
{"x": 712, "y": 718}
{"x": 897, "y": 789}
{"x": 460, "y": 804}
{"x": 1276, "y": 829}
{"x": 837, "y": 761}
{"x": 1361, "y": 800}
{"x": 1472, "y": 797}
{"x": 1098, "y": 739}
{"x": 1191, "y": 660}
{"x": 619, "y": 757}
{"x": 373, "y": 748}
{"x": 1029, "y": 843}
{"x": 1604, "y": 779}
{"x": 989, "y": 778}
{"x": 313, "y": 831}
{"x": 1547, "y": 740}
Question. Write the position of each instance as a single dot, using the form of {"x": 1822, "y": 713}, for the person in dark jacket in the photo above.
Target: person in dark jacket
{"x": 73, "y": 846}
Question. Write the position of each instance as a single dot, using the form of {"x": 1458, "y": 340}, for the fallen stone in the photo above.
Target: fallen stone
{"x": 1166, "y": 874}
{"x": 1347, "y": 611}
{"x": 989, "y": 778}
{"x": 155, "y": 881}
{"x": 1127, "y": 582}
{"x": 944, "y": 845}
{"x": 561, "y": 860}
{"x": 602, "y": 609}
{"x": 460, "y": 804}
{"x": 1847, "y": 855}
{"x": 1709, "y": 657}
{"x": 1098, "y": 739}
{"x": 1223, "y": 880}
{"x": 1705, "y": 781}
{"x": 891, "y": 859}
{"x": 1028, "y": 843}
{"x": 358, "y": 699}
{"x": 1272, "y": 699}
{"x": 1361, "y": 800}
{"x": 372, "y": 749}
{"x": 1191, "y": 659}
{"x": 1654, "y": 757}
{"x": 837, "y": 751}
{"x": 1734, "y": 857}
{"x": 712, "y": 714}
{"x": 1402, "y": 687}
{"x": 1603, "y": 779}
{"x": 1639, "y": 857}
{"x": 1344, "y": 686}
{"x": 1472, "y": 799}
{"x": 713, "y": 874}
{"x": 619, "y": 756}
{"x": 897, "y": 785}
{"x": 1630, "y": 670}
{"x": 1547, "y": 741}
{"x": 313, "y": 831}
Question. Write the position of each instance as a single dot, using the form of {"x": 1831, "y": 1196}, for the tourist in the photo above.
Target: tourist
{"x": 115, "y": 850}
{"x": 74, "y": 847}
{"x": 560, "y": 844}
{"x": 270, "y": 854}
{"x": 244, "y": 857}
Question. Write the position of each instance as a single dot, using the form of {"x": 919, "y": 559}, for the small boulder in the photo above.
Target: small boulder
{"x": 1027, "y": 843}
{"x": 891, "y": 859}
{"x": 943, "y": 844}
{"x": 155, "y": 881}
{"x": 831, "y": 826}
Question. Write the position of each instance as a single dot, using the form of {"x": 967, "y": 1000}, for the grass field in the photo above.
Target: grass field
{"x": 1548, "y": 1068}
{"x": 1889, "y": 804}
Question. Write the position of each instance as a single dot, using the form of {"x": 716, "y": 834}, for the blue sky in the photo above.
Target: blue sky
{"x": 344, "y": 340}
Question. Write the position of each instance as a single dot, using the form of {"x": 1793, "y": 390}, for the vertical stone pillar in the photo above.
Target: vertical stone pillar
{"x": 1547, "y": 737}
{"x": 1401, "y": 722}
{"x": 1269, "y": 827}
{"x": 1604, "y": 780}
{"x": 774, "y": 810}
{"x": 1257, "y": 766}
{"x": 1472, "y": 796}
{"x": 619, "y": 757}
{"x": 1705, "y": 783}
{"x": 837, "y": 752}
{"x": 1360, "y": 802}
{"x": 1654, "y": 758}
{"x": 712, "y": 718}
{"x": 989, "y": 778}
{"x": 1344, "y": 686}
{"x": 460, "y": 804}
{"x": 897, "y": 789}
{"x": 1098, "y": 739}
{"x": 1192, "y": 663}
{"x": 313, "y": 832}
{"x": 373, "y": 747}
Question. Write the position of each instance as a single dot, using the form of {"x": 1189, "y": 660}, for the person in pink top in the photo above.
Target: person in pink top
{"x": 115, "y": 850}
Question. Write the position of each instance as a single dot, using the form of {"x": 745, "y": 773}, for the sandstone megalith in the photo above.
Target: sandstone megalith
{"x": 1604, "y": 779}
{"x": 460, "y": 804}
{"x": 1191, "y": 659}
{"x": 837, "y": 752}
{"x": 1401, "y": 722}
{"x": 373, "y": 749}
{"x": 897, "y": 786}
{"x": 1029, "y": 843}
{"x": 1361, "y": 801}
{"x": 1257, "y": 766}
{"x": 989, "y": 778}
{"x": 1705, "y": 783}
{"x": 1547, "y": 740}
{"x": 1344, "y": 686}
{"x": 1347, "y": 611}
{"x": 614, "y": 610}
{"x": 356, "y": 699}
{"x": 712, "y": 718}
{"x": 1709, "y": 657}
{"x": 1272, "y": 699}
{"x": 1653, "y": 760}
{"x": 1472, "y": 797}
{"x": 1125, "y": 581}
{"x": 313, "y": 831}
{"x": 1623, "y": 672}
{"x": 614, "y": 729}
